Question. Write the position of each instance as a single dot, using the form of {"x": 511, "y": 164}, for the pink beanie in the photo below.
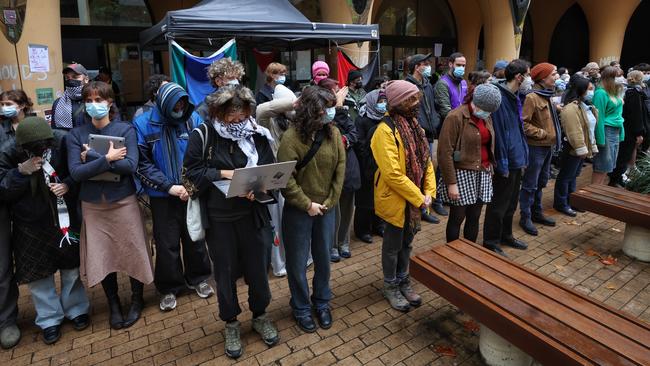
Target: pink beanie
{"x": 398, "y": 91}
{"x": 318, "y": 66}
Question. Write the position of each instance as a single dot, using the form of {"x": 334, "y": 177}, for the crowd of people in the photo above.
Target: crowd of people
{"x": 370, "y": 161}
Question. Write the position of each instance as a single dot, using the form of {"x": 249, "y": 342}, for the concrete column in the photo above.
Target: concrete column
{"x": 498, "y": 31}
{"x": 544, "y": 17}
{"x": 468, "y": 29}
{"x": 338, "y": 11}
{"x": 14, "y": 62}
{"x": 607, "y": 25}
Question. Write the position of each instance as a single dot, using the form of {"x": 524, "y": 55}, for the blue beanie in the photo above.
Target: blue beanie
{"x": 168, "y": 95}
{"x": 500, "y": 65}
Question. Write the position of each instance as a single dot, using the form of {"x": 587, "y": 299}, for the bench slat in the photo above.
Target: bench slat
{"x": 619, "y": 192}
{"x": 544, "y": 300}
{"x": 608, "y": 207}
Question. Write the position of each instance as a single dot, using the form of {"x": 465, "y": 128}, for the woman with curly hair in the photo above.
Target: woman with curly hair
{"x": 239, "y": 232}
{"x": 313, "y": 191}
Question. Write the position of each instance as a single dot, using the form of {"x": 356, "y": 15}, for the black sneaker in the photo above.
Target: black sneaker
{"x": 324, "y": 317}
{"x": 51, "y": 334}
{"x": 81, "y": 322}
{"x": 514, "y": 243}
{"x": 495, "y": 248}
{"x": 541, "y": 219}
{"x": 306, "y": 323}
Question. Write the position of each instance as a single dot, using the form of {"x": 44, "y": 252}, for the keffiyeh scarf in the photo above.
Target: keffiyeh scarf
{"x": 62, "y": 209}
{"x": 242, "y": 132}
{"x": 63, "y": 112}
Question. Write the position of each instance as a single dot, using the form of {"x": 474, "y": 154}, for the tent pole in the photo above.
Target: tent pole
{"x": 290, "y": 62}
{"x": 378, "y": 57}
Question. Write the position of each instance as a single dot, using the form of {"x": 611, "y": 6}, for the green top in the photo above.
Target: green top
{"x": 610, "y": 113}
{"x": 321, "y": 180}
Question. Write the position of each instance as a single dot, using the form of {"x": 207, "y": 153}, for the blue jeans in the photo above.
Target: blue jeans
{"x": 300, "y": 231}
{"x": 565, "y": 183}
{"x": 52, "y": 308}
{"x": 534, "y": 180}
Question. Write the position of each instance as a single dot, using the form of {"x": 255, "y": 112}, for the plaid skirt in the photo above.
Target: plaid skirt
{"x": 473, "y": 185}
{"x": 38, "y": 253}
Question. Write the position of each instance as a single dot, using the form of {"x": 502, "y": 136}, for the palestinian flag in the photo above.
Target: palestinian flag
{"x": 190, "y": 72}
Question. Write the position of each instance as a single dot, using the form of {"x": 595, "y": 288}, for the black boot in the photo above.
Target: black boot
{"x": 137, "y": 303}
{"x": 110, "y": 289}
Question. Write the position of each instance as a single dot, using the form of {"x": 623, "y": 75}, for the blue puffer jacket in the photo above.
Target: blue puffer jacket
{"x": 162, "y": 141}
{"x": 511, "y": 148}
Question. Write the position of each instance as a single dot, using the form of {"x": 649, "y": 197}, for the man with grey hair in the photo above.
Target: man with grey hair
{"x": 593, "y": 73}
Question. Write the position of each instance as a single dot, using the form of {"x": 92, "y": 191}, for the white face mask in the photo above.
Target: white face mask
{"x": 233, "y": 82}
{"x": 526, "y": 85}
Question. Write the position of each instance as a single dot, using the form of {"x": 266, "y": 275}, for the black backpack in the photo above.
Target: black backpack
{"x": 371, "y": 164}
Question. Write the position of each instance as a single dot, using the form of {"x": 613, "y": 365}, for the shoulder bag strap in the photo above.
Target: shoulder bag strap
{"x": 318, "y": 141}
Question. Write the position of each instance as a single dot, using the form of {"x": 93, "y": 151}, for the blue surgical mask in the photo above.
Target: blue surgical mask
{"x": 459, "y": 71}
{"x": 281, "y": 79}
{"x": 329, "y": 115}
{"x": 97, "y": 110}
{"x": 426, "y": 72}
{"x": 381, "y": 107}
{"x": 481, "y": 114}
{"x": 9, "y": 111}
{"x": 646, "y": 78}
{"x": 589, "y": 96}
{"x": 560, "y": 84}
{"x": 233, "y": 82}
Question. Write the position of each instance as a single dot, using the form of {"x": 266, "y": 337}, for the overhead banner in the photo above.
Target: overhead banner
{"x": 190, "y": 71}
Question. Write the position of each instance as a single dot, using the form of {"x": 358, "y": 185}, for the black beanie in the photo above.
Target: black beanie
{"x": 354, "y": 74}
{"x": 33, "y": 129}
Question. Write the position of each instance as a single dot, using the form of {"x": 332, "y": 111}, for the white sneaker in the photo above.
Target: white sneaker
{"x": 203, "y": 289}
{"x": 168, "y": 302}
{"x": 280, "y": 273}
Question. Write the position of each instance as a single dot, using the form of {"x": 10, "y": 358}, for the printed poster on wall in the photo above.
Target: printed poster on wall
{"x": 44, "y": 96}
{"x": 39, "y": 58}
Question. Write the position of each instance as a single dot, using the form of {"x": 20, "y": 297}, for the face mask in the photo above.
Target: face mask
{"x": 426, "y": 72}
{"x": 281, "y": 79}
{"x": 481, "y": 114}
{"x": 646, "y": 78}
{"x": 71, "y": 83}
{"x": 9, "y": 111}
{"x": 560, "y": 84}
{"x": 329, "y": 115}
{"x": 317, "y": 79}
{"x": 526, "y": 85}
{"x": 233, "y": 82}
{"x": 589, "y": 96}
{"x": 97, "y": 110}
{"x": 177, "y": 115}
{"x": 459, "y": 71}
{"x": 358, "y": 85}
{"x": 381, "y": 107}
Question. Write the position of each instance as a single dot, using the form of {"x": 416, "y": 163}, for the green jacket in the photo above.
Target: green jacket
{"x": 321, "y": 180}
{"x": 610, "y": 113}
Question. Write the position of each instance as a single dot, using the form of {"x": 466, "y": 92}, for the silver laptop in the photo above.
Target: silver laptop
{"x": 100, "y": 143}
{"x": 257, "y": 179}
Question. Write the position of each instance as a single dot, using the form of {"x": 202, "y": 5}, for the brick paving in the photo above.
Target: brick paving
{"x": 366, "y": 330}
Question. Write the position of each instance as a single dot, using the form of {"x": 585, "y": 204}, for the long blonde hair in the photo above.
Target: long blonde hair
{"x": 608, "y": 82}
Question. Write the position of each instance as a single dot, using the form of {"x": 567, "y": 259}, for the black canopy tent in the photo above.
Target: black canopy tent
{"x": 263, "y": 24}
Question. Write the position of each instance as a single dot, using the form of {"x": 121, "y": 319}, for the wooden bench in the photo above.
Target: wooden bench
{"x": 617, "y": 203}
{"x": 548, "y": 321}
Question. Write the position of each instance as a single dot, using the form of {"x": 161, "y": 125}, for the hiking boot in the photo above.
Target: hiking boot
{"x": 168, "y": 302}
{"x": 265, "y": 328}
{"x": 409, "y": 294}
{"x": 395, "y": 298}
{"x": 203, "y": 289}
{"x": 9, "y": 336}
{"x": 233, "y": 340}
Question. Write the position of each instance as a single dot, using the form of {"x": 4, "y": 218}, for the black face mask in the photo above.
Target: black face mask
{"x": 358, "y": 85}
{"x": 71, "y": 83}
{"x": 37, "y": 148}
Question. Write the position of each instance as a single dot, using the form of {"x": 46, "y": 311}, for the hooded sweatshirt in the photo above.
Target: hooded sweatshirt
{"x": 162, "y": 140}
{"x": 511, "y": 148}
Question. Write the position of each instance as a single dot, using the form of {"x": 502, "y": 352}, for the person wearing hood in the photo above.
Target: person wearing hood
{"x": 222, "y": 72}
{"x": 543, "y": 133}
{"x": 163, "y": 132}
{"x": 320, "y": 70}
{"x": 68, "y": 111}
{"x": 35, "y": 180}
{"x": 355, "y": 97}
{"x": 365, "y": 221}
{"x": 427, "y": 116}
{"x": 511, "y": 158}
{"x": 276, "y": 74}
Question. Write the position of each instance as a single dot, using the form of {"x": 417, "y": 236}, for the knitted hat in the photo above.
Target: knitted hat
{"x": 33, "y": 129}
{"x": 282, "y": 92}
{"x": 541, "y": 71}
{"x": 487, "y": 97}
{"x": 354, "y": 74}
{"x": 398, "y": 91}
{"x": 318, "y": 66}
{"x": 500, "y": 65}
{"x": 168, "y": 95}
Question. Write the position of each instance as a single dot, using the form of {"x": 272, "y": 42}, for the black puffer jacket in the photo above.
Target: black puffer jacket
{"x": 428, "y": 117}
{"x": 348, "y": 130}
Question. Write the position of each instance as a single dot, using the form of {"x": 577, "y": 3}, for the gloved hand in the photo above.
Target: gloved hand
{"x": 29, "y": 166}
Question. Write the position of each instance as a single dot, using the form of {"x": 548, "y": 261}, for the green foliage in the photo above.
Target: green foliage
{"x": 640, "y": 176}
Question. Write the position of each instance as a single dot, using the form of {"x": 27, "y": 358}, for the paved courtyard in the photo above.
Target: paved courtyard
{"x": 366, "y": 330}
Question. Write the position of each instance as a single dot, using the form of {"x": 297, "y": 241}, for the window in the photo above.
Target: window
{"x": 105, "y": 12}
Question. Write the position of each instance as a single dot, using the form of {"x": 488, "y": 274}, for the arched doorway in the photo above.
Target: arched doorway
{"x": 405, "y": 33}
{"x": 570, "y": 41}
{"x": 635, "y": 48}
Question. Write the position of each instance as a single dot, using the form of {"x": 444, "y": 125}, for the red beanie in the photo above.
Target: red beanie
{"x": 542, "y": 71}
{"x": 398, "y": 91}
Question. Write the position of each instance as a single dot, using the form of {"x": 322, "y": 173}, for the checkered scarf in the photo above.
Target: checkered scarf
{"x": 242, "y": 132}
{"x": 63, "y": 112}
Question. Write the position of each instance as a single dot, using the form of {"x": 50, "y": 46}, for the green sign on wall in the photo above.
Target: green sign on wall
{"x": 44, "y": 96}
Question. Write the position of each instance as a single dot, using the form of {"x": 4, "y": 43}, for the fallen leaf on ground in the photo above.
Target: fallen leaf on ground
{"x": 570, "y": 255}
{"x": 471, "y": 326}
{"x": 609, "y": 260}
{"x": 616, "y": 230}
{"x": 611, "y": 287}
{"x": 592, "y": 253}
{"x": 444, "y": 351}
{"x": 574, "y": 222}
{"x": 557, "y": 266}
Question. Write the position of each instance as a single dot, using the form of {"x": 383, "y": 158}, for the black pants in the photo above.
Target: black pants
{"x": 625, "y": 151}
{"x": 366, "y": 222}
{"x": 470, "y": 214}
{"x": 240, "y": 247}
{"x": 497, "y": 226}
{"x": 173, "y": 274}
{"x": 8, "y": 287}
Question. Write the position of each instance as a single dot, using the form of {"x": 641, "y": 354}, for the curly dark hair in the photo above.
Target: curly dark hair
{"x": 152, "y": 85}
{"x": 312, "y": 103}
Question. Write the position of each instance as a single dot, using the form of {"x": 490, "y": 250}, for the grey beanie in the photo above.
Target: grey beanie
{"x": 487, "y": 97}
